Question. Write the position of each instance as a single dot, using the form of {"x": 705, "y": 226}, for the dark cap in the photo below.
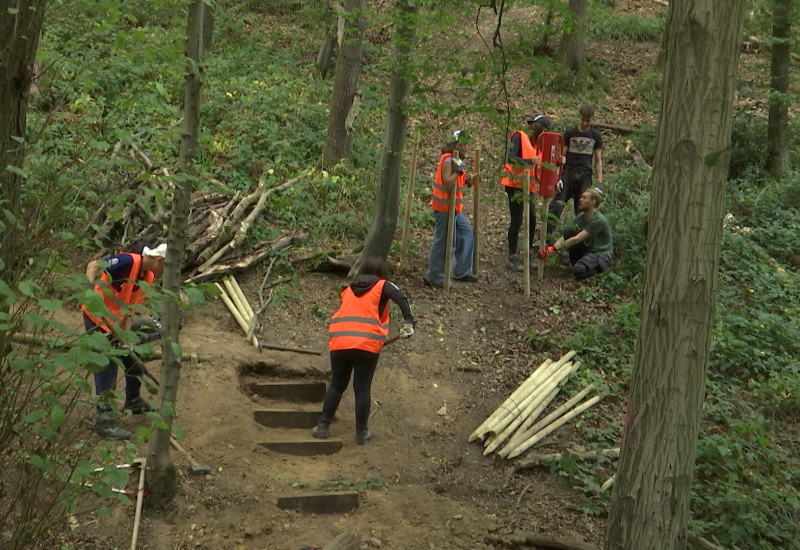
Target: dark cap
{"x": 541, "y": 119}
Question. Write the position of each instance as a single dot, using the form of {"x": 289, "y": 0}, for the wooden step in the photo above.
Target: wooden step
{"x": 321, "y": 503}
{"x": 282, "y": 418}
{"x": 306, "y": 447}
{"x": 307, "y": 392}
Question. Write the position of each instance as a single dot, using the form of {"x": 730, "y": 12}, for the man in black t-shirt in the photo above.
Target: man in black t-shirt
{"x": 582, "y": 144}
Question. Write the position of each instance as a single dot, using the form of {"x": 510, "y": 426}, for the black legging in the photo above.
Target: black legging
{"x": 343, "y": 363}
{"x": 515, "y": 210}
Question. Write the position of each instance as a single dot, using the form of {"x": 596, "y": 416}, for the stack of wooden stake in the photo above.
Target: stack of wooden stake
{"x": 514, "y": 422}
{"x": 239, "y": 307}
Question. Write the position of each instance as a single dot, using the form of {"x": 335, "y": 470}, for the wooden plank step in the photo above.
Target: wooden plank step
{"x": 310, "y": 447}
{"x": 321, "y": 503}
{"x": 287, "y": 418}
{"x": 308, "y": 392}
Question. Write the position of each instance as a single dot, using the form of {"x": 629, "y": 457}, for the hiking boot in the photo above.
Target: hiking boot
{"x": 534, "y": 259}
{"x": 138, "y": 406}
{"x": 363, "y": 436}
{"x": 110, "y": 429}
{"x": 321, "y": 431}
{"x": 514, "y": 264}
{"x": 428, "y": 282}
{"x": 468, "y": 278}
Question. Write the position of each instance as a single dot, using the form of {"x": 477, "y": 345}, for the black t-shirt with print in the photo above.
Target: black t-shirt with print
{"x": 582, "y": 146}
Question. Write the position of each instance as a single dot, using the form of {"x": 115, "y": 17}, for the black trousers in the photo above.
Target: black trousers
{"x": 576, "y": 181}
{"x": 583, "y": 263}
{"x": 516, "y": 209}
{"x": 361, "y": 365}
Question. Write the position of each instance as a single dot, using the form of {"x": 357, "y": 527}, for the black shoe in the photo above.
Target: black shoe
{"x": 321, "y": 431}
{"x": 111, "y": 430}
{"x": 138, "y": 406}
{"x": 363, "y": 436}
{"x": 428, "y": 282}
{"x": 514, "y": 264}
{"x": 468, "y": 278}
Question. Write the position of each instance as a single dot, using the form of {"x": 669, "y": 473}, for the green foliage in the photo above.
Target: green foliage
{"x": 607, "y": 24}
{"x": 647, "y": 89}
{"x": 341, "y": 483}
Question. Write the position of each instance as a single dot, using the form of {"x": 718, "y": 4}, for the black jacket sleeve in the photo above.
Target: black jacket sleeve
{"x": 516, "y": 150}
{"x": 392, "y": 292}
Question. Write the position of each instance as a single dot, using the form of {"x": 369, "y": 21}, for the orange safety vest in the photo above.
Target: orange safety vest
{"x": 529, "y": 152}
{"x": 358, "y": 324}
{"x": 441, "y": 197}
{"x": 129, "y": 294}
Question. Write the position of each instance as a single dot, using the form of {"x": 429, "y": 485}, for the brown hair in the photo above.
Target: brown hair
{"x": 374, "y": 265}
{"x": 597, "y": 197}
{"x": 587, "y": 111}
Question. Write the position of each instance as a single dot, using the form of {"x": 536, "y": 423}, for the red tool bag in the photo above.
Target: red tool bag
{"x": 551, "y": 145}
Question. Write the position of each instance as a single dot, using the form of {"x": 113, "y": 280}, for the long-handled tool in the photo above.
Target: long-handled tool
{"x": 195, "y": 467}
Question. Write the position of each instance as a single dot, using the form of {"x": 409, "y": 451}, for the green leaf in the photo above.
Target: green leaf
{"x": 51, "y": 306}
{"x": 37, "y": 461}
{"x": 195, "y": 295}
{"x": 7, "y": 296}
{"x": 27, "y": 288}
{"x": 19, "y": 364}
{"x": 35, "y": 416}
{"x": 57, "y": 416}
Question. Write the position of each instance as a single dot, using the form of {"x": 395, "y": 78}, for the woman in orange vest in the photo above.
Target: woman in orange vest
{"x": 119, "y": 285}
{"x": 523, "y": 153}
{"x": 357, "y": 333}
{"x": 450, "y": 177}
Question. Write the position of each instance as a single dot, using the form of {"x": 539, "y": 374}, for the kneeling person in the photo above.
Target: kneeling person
{"x": 590, "y": 243}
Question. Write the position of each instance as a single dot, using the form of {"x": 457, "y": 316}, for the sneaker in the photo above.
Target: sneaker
{"x": 468, "y": 278}
{"x": 363, "y": 436}
{"x": 321, "y": 431}
{"x": 428, "y": 282}
{"x": 534, "y": 259}
{"x": 111, "y": 430}
{"x": 138, "y": 406}
{"x": 514, "y": 264}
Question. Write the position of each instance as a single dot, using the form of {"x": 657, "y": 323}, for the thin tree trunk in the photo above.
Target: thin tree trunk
{"x": 572, "y": 44}
{"x": 20, "y": 26}
{"x": 384, "y": 219}
{"x": 778, "y": 129}
{"x": 650, "y": 505}
{"x": 343, "y": 100}
{"x": 163, "y": 479}
{"x": 208, "y": 27}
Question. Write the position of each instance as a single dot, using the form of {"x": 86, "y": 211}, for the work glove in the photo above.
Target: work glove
{"x": 598, "y": 186}
{"x": 559, "y": 186}
{"x": 407, "y": 330}
{"x": 545, "y": 252}
{"x": 468, "y": 182}
{"x": 458, "y": 166}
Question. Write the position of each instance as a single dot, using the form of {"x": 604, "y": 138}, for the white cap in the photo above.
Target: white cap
{"x": 159, "y": 252}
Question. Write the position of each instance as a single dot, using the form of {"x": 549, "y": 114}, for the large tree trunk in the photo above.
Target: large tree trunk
{"x": 343, "y": 100}
{"x": 384, "y": 219}
{"x": 778, "y": 130}
{"x": 572, "y": 42}
{"x": 650, "y": 505}
{"x": 163, "y": 479}
{"x": 20, "y": 24}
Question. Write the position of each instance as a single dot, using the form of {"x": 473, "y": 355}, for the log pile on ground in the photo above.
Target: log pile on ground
{"x": 514, "y": 423}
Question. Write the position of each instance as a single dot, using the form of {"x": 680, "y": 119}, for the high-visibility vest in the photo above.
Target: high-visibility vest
{"x": 129, "y": 294}
{"x": 529, "y": 152}
{"x": 441, "y": 197}
{"x": 358, "y": 324}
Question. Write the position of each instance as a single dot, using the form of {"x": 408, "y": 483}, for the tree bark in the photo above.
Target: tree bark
{"x": 163, "y": 480}
{"x": 778, "y": 128}
{"x": 650, "y": 504}
{"x": 20, "y": 37}
{"x": 208, "y": 27}
{"x": 348, "y": 69}
{"x": 572, "y": 42}
{"x": 384, "y": 219}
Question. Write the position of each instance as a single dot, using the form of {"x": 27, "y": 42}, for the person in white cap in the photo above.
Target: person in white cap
{"x": 118, "y": 279}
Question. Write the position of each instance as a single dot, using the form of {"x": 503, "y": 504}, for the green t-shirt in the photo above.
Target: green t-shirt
{"x": 599, "y": 230}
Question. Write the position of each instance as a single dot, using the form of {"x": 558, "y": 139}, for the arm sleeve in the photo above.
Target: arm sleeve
{"x": 118, "y": 268}
{"x": 516, "y": 150}
{"x": 598, "y": 140}
{"x": 392, "y": 292}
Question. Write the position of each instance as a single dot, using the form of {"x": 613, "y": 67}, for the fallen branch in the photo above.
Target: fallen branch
{"x": 139, "y": 501}
{"x": 615, "y": 127}
{"x": 634, "y": 153}
{"x": 540, "y": 542}
{"x": 264, "y": 303}
{"x": 265, "y": 345}
{"x": 700, "y": 542}
{"x": 538, "y": 459}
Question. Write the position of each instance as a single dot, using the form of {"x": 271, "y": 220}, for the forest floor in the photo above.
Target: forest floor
{"x": 421, "y": 484}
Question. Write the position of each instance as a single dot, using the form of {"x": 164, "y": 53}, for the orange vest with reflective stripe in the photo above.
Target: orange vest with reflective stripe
{"x": 441, "y": 197}
{"x": 358, "y": 324}
{"x": 129, "y": 294}
{"x": 529, "y": 152}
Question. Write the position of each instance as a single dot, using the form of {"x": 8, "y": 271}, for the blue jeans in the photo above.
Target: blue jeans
{"x": 463, "y": 248}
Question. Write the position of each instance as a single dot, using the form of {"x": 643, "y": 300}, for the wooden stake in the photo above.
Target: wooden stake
{"x": 476, "y": 208}
{"x": 235, "y": 312}
{"x": 526, "y": 234}
{"x": 407, "y": 220}
{"x": 242, "y": 297}
{"x": 543, "y": 232}
{"x": 139, "y": 501}
{"x": 451, "y": 222}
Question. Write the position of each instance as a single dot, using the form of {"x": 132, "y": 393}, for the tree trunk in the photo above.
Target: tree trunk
{"x": 343, "y": 99}
{"x": 384, "y": 219}
{"x": 208, "y": 27}
{"x": 572, "y": 43}
{"x": 20, "y": 38}
{"x": 650, "y": 504}
{"x": 163, "y": 479}
{"x": 778, "y": 129}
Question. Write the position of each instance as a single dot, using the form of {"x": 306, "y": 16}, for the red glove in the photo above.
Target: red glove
{"x": 544, "y": 252}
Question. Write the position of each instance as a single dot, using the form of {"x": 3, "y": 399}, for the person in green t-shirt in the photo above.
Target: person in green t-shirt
{"x": 589, "y": 243}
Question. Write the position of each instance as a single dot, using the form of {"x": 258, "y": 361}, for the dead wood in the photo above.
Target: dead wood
{"x": 468, "y": 368}
{"x": 263, "y": 303}
{"x": 277, "y": 245}
{"x": 558, "y": 543}
{"x": 662, "y": 2}
{"x": 337, "y": 264}
{"x": 634, "y": 153}
{"x": 701, "y": 543}
{"x": 230, "y": 222}
{"x": 614, "y": 127}
{"x": 209, "y": 198}
{"x": 265, "y": 345}
{"x": 345, "y": 541}
{"x": 535, "y": 460}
